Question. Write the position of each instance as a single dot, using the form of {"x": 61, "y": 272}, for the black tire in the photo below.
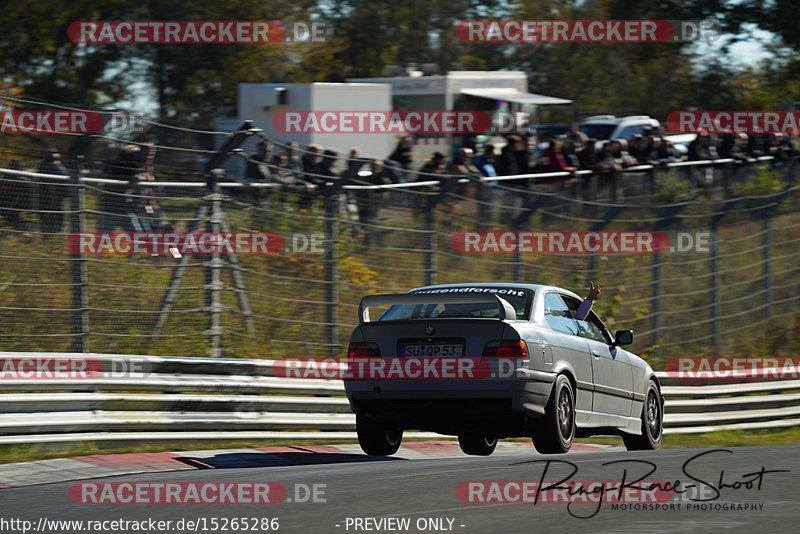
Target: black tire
{"x": 377, "y": 440}
{"x": 652, "y": 423}
{"x": 554, "y": 433}
{"x": 477, "y": 445}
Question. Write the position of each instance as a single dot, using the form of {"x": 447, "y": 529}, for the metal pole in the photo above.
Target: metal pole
{"x": 80, "y": 299}
{"x": 767, "y": 242}
{"x": 430, "y": 243}
{"x": 331, "y": 275}
{"x": 714, "y": 267}
{"x": 656, "y": 321}
{"x": 212, "y": 271}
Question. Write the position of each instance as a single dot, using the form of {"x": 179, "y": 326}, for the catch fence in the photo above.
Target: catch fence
{"x": 728, "y": 282}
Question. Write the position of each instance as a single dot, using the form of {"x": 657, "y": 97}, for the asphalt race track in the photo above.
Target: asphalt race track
{"x": 727, "y": 490}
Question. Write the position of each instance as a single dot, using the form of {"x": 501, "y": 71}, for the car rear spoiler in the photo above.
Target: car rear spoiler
{"x": 506, "y": 310}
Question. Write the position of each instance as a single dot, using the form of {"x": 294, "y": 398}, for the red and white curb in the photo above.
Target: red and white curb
{"x": 105, "y": 465}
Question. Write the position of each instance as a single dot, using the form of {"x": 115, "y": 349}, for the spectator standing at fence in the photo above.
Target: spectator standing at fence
{"x": 433, "y": 165}
{"x": 403, "y": 152}
{"x": 606, "y": 161}
{"x": 369, "y": 200}
{"x": 294, "y": 165}
{"x": 114, "y": 203}
{"x": 258, "y": 172}
{"x": 354, "y": 164}
{"x": 575, "y": 135}
{"x": 622, "y": 154}
{"x": 350, "y": 177}
{"x": 488, "y": 192}
{"x": 569, "y": 151}
{"x": 732, "y": 146}
{"x": 15, "y": 197}
{"x": 552, "y": 160}
{"x": 522, "y": 155}
{"x": 401, "y": 159}
{"x": 328, "y": 175}
{"x": 587, "y": 156}
{"x": 506, "y": 164}
{"x": 310, "y": 161}
{"x": 52, "y": 192}
{"x": 485, "y": 162}
{"x": 702, "y": 148}
{"x": 257, "y": 166}
{"x": 143, "y": 200}
{"x": 639, "y": 148}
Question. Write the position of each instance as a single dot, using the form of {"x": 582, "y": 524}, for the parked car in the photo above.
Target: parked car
{"x": 551, "y": 377}
{"x": 605, "y": 127}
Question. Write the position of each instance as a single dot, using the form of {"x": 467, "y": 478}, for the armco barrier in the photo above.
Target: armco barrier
{"x": 151, "y": 398}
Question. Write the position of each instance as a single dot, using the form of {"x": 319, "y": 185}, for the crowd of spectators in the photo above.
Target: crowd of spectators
{"x": 311, "y": 171}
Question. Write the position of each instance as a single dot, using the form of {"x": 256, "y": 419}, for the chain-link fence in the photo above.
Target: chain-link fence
{"x": 727, "y": 281}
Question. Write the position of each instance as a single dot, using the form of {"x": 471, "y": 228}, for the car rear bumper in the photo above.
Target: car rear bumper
{"x": 449, "y": 406}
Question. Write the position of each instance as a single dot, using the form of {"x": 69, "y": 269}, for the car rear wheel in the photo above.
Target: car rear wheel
{"x": 377, "y": 440}
{"x": 554, "y": 433}
{"x": 652, "y": 423}
{"x": 476, "y": 444}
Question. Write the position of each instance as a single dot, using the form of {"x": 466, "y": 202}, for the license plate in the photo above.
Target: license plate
{"x": 441, "y": 350}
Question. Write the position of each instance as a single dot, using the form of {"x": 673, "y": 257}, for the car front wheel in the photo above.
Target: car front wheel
{"x": 554, "y": 433}
{"x": 477, "y": 445}
{"x": 652, "y": 423}
{"x": 377, "y": 440}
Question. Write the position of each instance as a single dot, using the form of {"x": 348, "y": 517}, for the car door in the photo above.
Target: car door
{"x": 611, "y": 368}
{"x": 568, "y": 346}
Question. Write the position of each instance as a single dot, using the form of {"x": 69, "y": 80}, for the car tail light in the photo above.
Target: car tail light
{"x": 357, "y": 349}
{"x": 509, "y": 348}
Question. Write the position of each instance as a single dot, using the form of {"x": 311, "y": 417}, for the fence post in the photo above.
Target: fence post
{"x": 80, "y": 300}
{"x": 714, "y": 268}
{"x": 430, "y": 242}
{"x": 656, "y": 322}
{"x": 213, "y": 283}
{"x": 767, "y": 242}
{"x": 331, "y": 274}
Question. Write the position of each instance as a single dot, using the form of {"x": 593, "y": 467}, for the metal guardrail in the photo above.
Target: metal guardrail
{"x": 148, "y": 398}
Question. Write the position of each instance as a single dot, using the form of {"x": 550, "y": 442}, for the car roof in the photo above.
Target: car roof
{"x": 610, "y": 119}
{"x": 534, "y": 287}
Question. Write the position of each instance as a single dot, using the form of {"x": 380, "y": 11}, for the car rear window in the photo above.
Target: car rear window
{"x": 520, "y": 299}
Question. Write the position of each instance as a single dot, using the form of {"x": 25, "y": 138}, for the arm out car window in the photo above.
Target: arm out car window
{"x": 592, "y": 327}
{"x": 558, "y": 315}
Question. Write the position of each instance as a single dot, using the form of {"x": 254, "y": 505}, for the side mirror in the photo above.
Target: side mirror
{"x": 623, "y": 337}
